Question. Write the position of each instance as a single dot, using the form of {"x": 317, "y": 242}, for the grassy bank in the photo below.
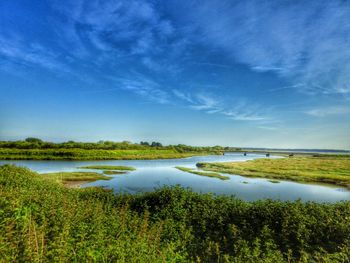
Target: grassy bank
{"x": 207, "y": 174}
{"x": 325, "y": 169}
{"x": 41, "y": 221}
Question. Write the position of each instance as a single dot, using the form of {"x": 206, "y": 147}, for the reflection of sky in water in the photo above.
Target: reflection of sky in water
{"x": 151, "y": 174}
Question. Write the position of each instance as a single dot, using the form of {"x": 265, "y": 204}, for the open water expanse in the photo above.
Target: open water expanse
{"x": 151, "y": 174}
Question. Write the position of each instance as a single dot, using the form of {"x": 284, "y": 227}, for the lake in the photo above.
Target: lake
{"x": 151, "y": 174}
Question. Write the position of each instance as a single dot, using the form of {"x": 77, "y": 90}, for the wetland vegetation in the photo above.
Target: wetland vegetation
{"x": 110, "y": 172}
{"x": 202, "y": 173}
{"x": 42, "y": 221}
{"x": 322, "y": 169}
{"x": 109, "y": 167}
{"x": 74, "y": 178}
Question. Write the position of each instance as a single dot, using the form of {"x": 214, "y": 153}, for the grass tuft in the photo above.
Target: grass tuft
{"x": 109, "y": 172}
{"x": 74, "y": 179}
{"x": 109, "y": 167}
{"x": 208, "y": 174}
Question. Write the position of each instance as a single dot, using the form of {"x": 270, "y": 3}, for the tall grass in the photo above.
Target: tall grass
{"x": 41, "y": 221}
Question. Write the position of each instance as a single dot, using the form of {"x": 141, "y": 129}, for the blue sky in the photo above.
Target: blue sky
{"x": 238, "y": 73}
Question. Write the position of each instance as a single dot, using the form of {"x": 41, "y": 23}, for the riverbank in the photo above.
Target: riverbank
{"x": 41, "y": 221}
{"x": 324, "y": 169}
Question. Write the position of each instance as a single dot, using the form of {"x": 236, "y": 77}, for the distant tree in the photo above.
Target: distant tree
{"x": 156, "y": 144}
{"x": 33, "y": 140}
{"x": 144, "y": 143}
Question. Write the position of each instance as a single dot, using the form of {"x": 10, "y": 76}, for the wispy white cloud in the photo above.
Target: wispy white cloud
{"x": 183, "y": 96}
{"x": 305, "y": 42}
{"x": 210, "y": 104}
{"x": 34, "y": 54}
{"x": 126, "y": 26}
{"x": 205, "y": 102}
{"x": 328, "y": 111}
{"x": 269, "y": 128}
{"x": 142, "y": 86}
{"x": 213, "y": 65}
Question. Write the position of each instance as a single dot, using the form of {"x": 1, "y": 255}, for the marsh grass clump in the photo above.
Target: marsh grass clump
{"x": 111, "y": 172}
{"x": 274, "y": 181}
{"x": 42, "y": 221}
{"x": 207, "y": 174}
{"x": 75, "y": 176}
{"x": 74, "y": 179}
{"x": 109, "y": 167}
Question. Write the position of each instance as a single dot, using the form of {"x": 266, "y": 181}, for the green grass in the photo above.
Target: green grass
{"x": 42, "y": 221}
{"x": 207, "y": 174}
{"x": 84, "y": 154}
{"x": 331, "y": 169}
{"x": 274, "y": 181}
{"x": 66, "y": 178}
{"x": 109, "y": 167}
{"x": 113, "y": 172}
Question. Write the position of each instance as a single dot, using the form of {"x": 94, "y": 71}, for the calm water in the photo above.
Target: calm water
{"x": 151, "y": 174}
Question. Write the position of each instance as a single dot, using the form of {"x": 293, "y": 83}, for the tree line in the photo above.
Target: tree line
{"x": 36, "y": 143}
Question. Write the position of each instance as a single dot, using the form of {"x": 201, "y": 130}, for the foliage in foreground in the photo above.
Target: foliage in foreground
{"x": 43, "y": 221}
